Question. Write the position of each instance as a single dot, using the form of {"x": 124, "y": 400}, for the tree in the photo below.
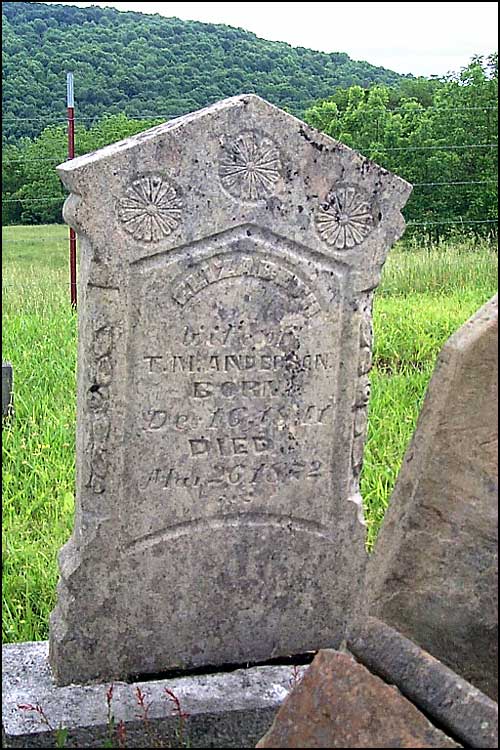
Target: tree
{"x": 439, "y": 135}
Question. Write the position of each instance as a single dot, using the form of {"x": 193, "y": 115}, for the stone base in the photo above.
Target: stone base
{"x": 226, "y": 709}
{"x": 7, "y": 388}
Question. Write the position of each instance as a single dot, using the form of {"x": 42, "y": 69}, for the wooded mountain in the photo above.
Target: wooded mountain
{"x": 441, "y": 134}
{"x": 148, "y": 65}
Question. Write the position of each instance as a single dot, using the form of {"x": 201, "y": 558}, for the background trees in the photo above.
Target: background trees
{"x": 440, "y": 134}
{"x": 150, "y": 65}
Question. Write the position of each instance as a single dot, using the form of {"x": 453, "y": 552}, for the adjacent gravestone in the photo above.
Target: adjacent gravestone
{"x": 7, "y": 390}
{"x": 450, "y": 702}
{"x": 434, "y": 572}
{"x": 228, "y": 262}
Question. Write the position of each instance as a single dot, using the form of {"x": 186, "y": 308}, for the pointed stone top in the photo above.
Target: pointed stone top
{"x": 152, "y": 133}
{"x": 250, "y": 107}
{"x": 239, "y": 161}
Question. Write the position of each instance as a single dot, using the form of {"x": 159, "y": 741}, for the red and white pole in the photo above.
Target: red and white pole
{"x": 71, "y": 155}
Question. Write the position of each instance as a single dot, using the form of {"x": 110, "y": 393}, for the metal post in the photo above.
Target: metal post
{"x": 71, "y": 155}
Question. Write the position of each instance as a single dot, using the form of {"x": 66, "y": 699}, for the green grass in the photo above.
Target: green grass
{"x": 425, "y": 295}
{"x": 39, "y": 338}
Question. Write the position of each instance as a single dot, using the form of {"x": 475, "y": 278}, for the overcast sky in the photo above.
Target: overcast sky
{"x": 418, "y": 38}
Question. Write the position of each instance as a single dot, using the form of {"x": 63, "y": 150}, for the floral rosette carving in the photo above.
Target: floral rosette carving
{"x": 150, "y": 209}
{"x": 345, "y": 219}
{"x": 250, "y": 166}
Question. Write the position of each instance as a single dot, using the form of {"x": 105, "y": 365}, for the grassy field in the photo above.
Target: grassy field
{"x": 425, "y": 295}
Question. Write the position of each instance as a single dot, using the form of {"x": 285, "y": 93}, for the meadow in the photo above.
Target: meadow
{"x": 427, "y": 292}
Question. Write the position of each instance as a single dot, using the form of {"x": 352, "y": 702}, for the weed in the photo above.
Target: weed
{"x": 296, "y": 677}
{"x": 61, "y": 734}
{"x": 116, "y": 733}
{"x": 110, "y": 741}
{"x": 143, "y": 716}
{"x": 181, "y": 715}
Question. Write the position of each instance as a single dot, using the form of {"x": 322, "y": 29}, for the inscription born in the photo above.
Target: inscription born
{"x": 237, "y": 417}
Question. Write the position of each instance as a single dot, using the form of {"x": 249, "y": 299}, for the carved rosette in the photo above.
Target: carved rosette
{"x": 363, "y": 386}
{"x": 150, "y": 209}
{"x": 250, "y": 166}
{"x": 345, "y": 218}
{"x": 98, "y": 401}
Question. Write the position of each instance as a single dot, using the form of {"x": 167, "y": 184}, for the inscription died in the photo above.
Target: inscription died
{"x": 223, "y": 477}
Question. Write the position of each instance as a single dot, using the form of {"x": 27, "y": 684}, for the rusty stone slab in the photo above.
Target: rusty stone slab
{"x": 341, "y": 704}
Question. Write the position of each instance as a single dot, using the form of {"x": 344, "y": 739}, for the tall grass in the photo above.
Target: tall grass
{"x": 38, "y": 445}
{"x": 462, "y": 265}
{"x": 425, "y": 295}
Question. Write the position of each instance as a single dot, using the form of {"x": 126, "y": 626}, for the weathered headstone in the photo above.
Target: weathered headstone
{"x": 434, "y": 572}
{"x": 228, "y": 262}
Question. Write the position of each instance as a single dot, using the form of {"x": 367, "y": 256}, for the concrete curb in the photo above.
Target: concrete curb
{"x": 229, "y": 709}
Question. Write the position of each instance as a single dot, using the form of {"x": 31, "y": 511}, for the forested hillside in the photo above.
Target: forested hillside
{"x": 148, "y": 65}
{"x": 440, "y": 134}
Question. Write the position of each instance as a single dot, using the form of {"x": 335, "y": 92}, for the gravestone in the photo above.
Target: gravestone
{"x": 434, "y": 573}
{"x": 7, "y": 389}
{"x": 228, "y": 263}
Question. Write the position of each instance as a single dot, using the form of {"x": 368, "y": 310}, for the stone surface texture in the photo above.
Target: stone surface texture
{"x": 227, "y": 710}
{"x": 227, "y": 265}
{"x": 460, "y": 709}
{"x": 7, "y": 389}
{"x": 434, "y": 572}
{"x": 339, "y": 703}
